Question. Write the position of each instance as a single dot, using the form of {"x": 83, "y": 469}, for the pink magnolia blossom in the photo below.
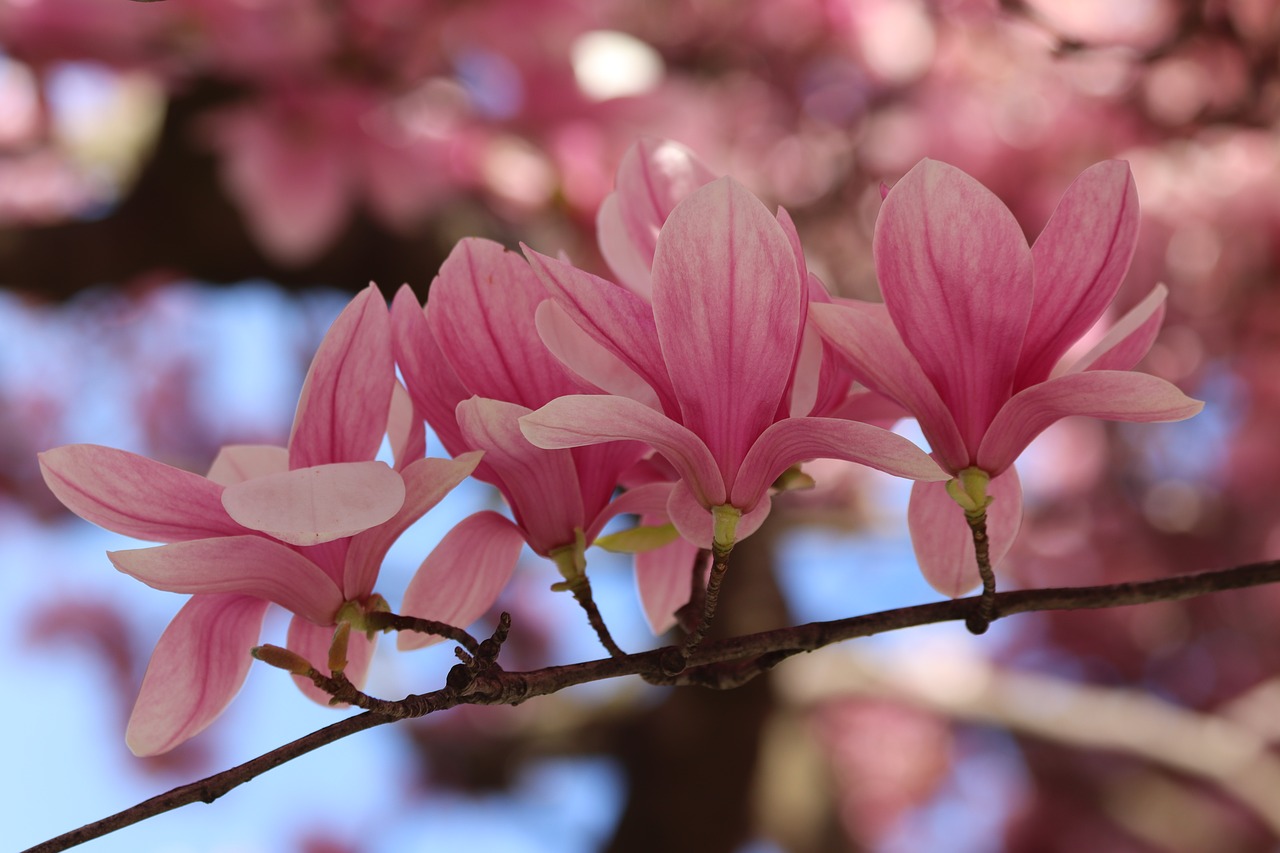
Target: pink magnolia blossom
{"x": 474, "y": 365}
{"x": 654, "y": 176}
{"x": 717, "y": 350}
{"x": 972, "y": 335}
{"x": 305, "y": 526}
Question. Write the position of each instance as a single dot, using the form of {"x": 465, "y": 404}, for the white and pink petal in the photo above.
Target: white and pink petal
{"x": 130, "y": 494}
{"x": 1116, "y": 395}
{"x": 241, "y": 565}
{"x": 308, "y": 506}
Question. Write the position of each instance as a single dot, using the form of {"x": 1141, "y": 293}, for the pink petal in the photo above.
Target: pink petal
{"x": 236, "y": 463}
{"x": 195, "y": 671}
{"x": 654, "y": 176}
{"x": 460, "y": 580}
{"x": 404, "y": 429}
{"x": 308, "y": 506}
{"x": 481, "y": 310}
{"x": 1114, "y": 395}
{"x": 664, "y": 580}
{"x": 245, "y": 565}
{"x": 426, "y": 482}
{"x": 728, "y": 301}
{"x": 615, "y": 318}
{"x": 1080, "y": 258}
{"x": 1125, "y": 343}
{"x": 584, "y": 356}
{"x": 943, "y": 541}
{"x": 800, "y": 439}
{"x": 789, "y": 403}
{"x": 957, "y": 278}
{"x": 586, "y": 419}
{"x": 650, "y": 499}
{"x": 601, "y": 468}
{"x": 541, "y": 485}
{"x": 695, "y": 523}
{"x": 136, "y": 496}
{"x": 313, "y": 641}
{"x": 862, "y": 333}
{"x": 342, "y": 413}
{"x": 432, "y": 385}
{"x": 629, "y": 264}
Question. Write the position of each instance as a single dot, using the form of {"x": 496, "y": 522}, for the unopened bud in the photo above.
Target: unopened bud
{"x": 282, "y": 659}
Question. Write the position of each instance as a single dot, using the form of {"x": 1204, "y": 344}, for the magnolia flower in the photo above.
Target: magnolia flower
{"x": 474, "y": 365}
{"x": 305, "y": 526}
{"x": 717, "y": 351}
{"x": 972, "y": 335}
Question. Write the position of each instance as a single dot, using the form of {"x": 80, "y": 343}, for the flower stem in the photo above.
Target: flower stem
{"x": 719, "y": 567}
{"x": 985, "y": 614}
{"x": 581, "y": 590}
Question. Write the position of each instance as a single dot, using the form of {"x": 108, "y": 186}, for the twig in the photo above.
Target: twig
{"x": 719, "y": 664}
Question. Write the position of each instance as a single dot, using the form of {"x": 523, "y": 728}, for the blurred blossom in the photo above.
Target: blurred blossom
{"x": 19, "y": 104}
{"x": 1137, "y": 23}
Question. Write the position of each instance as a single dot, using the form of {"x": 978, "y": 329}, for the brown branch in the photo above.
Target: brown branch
{"x": 720, "y": 664}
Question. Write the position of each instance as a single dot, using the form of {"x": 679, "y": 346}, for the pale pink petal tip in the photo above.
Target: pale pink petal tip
{"x": 313, "y": 505}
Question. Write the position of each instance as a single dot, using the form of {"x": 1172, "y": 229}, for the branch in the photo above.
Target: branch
{"x": 722, "y": 664}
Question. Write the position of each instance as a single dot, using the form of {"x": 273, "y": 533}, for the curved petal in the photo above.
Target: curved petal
{"x": 647, "y": 500}
{"x": 585, "y": 419}
{"x": 590, "y": 360}
{"x": 728, "y": 303}
{"x": 957, "y": 278}
{"x": 342, "y": 412}
{"x": 404, "y": 429}
{"x": 654, "y": 176}
{"x": 461, "y": 578}
{"x": 312, "y": 642}
{"x": 136, "y": 496}
{"x": 614, "y": 317}
{"x": 308, "y": 506}
{"x": 195, "y": 671}
{"x": 630, "y": 267}
{"x": 236, "y": 463}
{"x": 426, "y": 482}
{"x": 1114, "y": 395}
{"x": 1080, "y": 258}
{"x": 244, "y": 565}
{"x": 943, "y": 541}
{"x": 481, "y": 308}
{"x": 1128, "y": 340}
{"x": 664, "y": 582}
{"x": 863, "y": 333}
{"x": 541, "y": 485}
{"x": 433, "y": 386}
{"x": 800, "y": 439}
{"x": 694, "y": 521}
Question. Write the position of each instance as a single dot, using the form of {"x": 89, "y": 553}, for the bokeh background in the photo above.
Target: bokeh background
{"x": 190, "y": 189}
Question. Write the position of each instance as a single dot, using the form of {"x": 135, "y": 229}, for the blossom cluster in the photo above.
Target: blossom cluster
{"x": 685, "y": 392}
